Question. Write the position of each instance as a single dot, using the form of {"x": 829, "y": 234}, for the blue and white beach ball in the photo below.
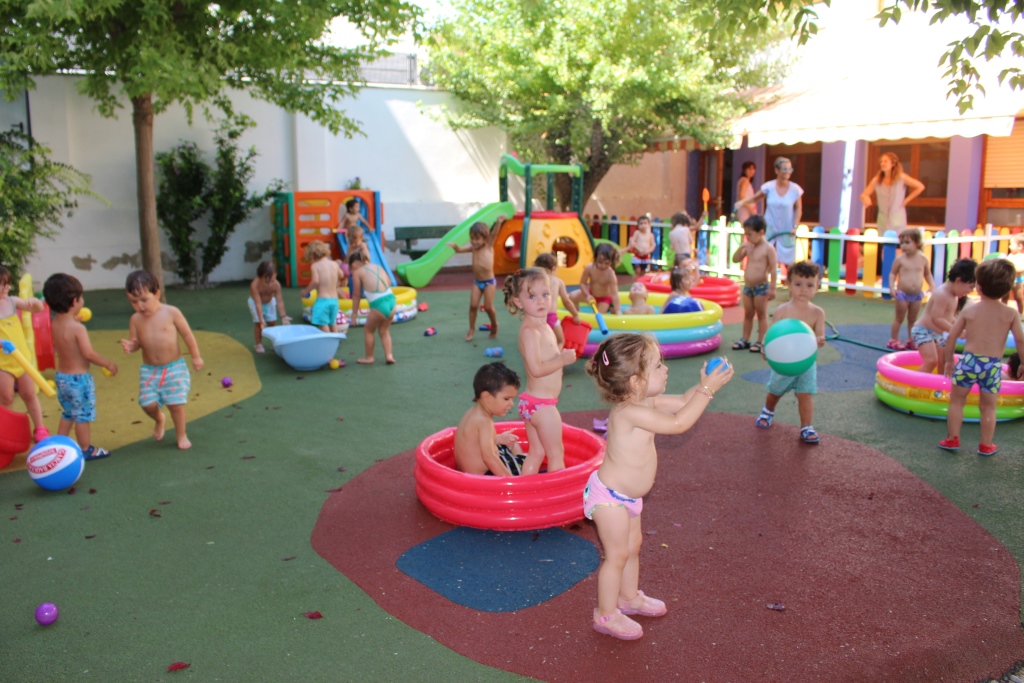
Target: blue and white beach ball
{"x": 56, "y": 463}
{"x": 790, "y": 347}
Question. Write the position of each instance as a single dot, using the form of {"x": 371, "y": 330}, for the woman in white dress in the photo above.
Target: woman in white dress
{"x": 782, "y": 209}
{"x": 890, "y": 187}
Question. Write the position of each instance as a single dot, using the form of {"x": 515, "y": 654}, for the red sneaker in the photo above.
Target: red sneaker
{"x": 987, "y": 449}
{"x": 951, "y": 444}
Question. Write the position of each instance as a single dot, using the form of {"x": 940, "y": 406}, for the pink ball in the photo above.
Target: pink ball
{"x": 226, "y": 382}
{"x": 47, "y": 613}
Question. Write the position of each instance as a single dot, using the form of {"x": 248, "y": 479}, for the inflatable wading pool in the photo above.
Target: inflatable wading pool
{"x": 480, "y": 501}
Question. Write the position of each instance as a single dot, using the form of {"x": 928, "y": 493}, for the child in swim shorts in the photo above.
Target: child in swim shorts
{"x": 986, "y": 325}
{"x": 164, "y": 379}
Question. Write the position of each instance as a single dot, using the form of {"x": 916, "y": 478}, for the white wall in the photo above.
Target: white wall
{"x": 426, "y": 173}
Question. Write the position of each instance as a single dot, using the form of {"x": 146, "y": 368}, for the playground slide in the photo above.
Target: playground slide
{"x": 376, "y": 253}
{"x": 420, "y": 272}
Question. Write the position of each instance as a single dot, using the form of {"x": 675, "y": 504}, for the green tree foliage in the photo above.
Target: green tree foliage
{"x": 190, "y": 190}
{"x": 228, "y": 198}
{"x": 994, "y": 32}
{"x": 992, "y": 22}
{"x": 155, "y": 53}
{"x": 184, "y": 178}
{"x": 596, "y": 81}
{"x": 36, "y": 193}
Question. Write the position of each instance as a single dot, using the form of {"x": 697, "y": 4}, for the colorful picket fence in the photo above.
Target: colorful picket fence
{"x": 865, "y": 255}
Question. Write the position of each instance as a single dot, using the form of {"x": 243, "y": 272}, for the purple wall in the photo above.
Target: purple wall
{"x": 833, "y": 157}
{"x": 964, "y": 181}
{"x": 859, "y": 172}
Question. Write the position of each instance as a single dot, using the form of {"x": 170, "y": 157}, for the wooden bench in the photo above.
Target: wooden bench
{"x": 409, "y": 234}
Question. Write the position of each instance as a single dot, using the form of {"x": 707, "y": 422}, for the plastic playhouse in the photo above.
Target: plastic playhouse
{"x": 303, "y": 217}
{"x": 524, "y": 235}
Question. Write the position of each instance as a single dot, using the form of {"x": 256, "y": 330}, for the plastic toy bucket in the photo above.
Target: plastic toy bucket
{"x": 575, "y": 335}
{"x": 14, "y": 435}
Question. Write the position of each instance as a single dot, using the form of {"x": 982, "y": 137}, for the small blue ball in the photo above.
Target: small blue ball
{"x": 714, "y": 363}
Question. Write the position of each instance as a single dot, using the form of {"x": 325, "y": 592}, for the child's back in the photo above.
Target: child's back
{"x": 76, "y": 390}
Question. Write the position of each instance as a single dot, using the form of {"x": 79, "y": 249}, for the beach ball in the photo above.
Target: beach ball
{"x": 682, "y": 304}
{"x": 84, "y": 315}
{"x": 790, "y": 347}
{"x": 55, "y": 463}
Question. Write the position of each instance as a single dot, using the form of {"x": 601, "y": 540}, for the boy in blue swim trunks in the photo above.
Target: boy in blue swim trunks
{"x": 803, "y": 285}
{"x": 758, "y": 282}
{"x": 940, "y": 313}
{"x": 76, "y": 390}
{"x": 986, "y": 325}
{"x": 163, "y": 379}
{"x": 324, "y": 278}
{"x": 481, "y": 243}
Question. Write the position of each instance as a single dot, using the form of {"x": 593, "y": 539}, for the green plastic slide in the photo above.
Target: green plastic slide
{"x": 420, "y": 272}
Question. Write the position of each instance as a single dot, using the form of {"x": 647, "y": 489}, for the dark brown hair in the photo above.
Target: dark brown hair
{"x": 995, "y": 277}
{"x": 60, "y": 292}
{"x": 139, "y": 281}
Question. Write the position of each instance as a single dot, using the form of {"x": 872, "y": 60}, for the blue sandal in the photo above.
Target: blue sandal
{"x": 809, "y": 435}
{"x": 741, "y": 345}
{"x": 764, "y": 420}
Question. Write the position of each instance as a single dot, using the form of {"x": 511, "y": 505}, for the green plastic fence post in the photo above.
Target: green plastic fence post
{"x": 835, "y": 259}
{"x": 952, "y": 251}
{"x": 551, "y": 191}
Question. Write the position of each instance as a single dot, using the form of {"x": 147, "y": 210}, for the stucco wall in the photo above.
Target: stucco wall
{"x": 657, "y": 185}
{"x": 426, "y": 173}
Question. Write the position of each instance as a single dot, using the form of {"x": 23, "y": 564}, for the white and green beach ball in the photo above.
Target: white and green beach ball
{"x": 790, "y": 347}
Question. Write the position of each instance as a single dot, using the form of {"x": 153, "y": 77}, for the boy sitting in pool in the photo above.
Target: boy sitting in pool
{"x": 598, "y": 282}
{"x": 638, "y": 300}
{"x": 479, "y": 449}
{"x": 940, "y": 312}
{"x": 986, "y": 324}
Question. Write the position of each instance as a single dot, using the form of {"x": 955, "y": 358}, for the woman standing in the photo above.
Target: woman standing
{"x": 782, "y": 208}
{"x": 745, "y": 190}
{"x": 890, "y": 187}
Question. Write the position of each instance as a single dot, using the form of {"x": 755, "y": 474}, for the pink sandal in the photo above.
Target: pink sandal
{"x": 40, "y": 433}
{"x": 649, "y": 607}
{"x": 618, "y": 625}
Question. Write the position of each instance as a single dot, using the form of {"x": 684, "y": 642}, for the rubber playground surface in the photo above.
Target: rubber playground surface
{"x": 288, "y": 544}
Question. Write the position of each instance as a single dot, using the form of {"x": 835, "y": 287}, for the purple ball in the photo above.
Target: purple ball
{"x": 47, "y": 613}
{"x": 226, "y": 382}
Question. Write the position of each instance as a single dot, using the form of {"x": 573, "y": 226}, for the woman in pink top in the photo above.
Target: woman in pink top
{"x": 890, "y": 186}
{"x": 745, "y": 190}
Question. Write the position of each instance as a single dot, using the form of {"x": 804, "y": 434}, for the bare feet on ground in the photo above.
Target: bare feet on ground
{"x": 158, "y": 431}
{"x": 391, "y": 360}
{"x": 494, "y": 332}
{"x": 469, "y": 337}
{"x": 184, "y": 443}
{"x": 365, "y": 361}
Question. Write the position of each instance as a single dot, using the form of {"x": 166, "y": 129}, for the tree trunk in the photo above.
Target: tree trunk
{"x": 149, "y": 234}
